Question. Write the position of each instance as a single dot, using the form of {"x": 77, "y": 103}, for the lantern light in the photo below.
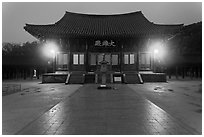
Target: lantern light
{"x": 158, "y": 49}
{"x": 50, "y": 48}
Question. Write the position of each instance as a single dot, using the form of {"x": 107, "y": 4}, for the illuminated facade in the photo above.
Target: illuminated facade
{"x": 129, "y": 42}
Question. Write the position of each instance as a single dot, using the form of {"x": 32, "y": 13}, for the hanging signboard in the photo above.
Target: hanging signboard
{"x": 104, "y": 43}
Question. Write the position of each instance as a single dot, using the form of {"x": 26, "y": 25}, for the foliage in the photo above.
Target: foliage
{"x": 28, "y": 53}
{"x": 186, "y": 47}
{"x": 189, "y": 41}
{"x": 15, "y": 49}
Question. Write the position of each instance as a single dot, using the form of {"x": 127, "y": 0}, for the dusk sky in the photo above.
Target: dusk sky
{"x": 16, "y": 15}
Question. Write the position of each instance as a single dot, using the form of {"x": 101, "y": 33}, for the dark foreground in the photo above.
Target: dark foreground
{"x": 119, "y": 111}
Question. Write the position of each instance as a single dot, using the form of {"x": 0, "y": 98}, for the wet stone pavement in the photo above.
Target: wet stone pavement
{"x": 119, "y": 111}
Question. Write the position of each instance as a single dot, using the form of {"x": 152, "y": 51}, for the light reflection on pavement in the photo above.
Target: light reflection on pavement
{"x": 106, "y": 112}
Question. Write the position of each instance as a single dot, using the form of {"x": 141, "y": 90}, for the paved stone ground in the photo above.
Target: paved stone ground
{"x": 32, "y": 101}
{"x": 119, "y": 111}
{"x": 180, "y": 98}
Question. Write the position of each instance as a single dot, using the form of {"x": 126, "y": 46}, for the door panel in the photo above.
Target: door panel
{"x": 112, "y": 59}
{"x": 129, "y": 61}
{"x": 145, "y": 61}
{"x": 62, "y": 61}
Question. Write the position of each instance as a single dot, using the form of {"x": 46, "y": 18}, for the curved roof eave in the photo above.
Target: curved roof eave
{"x": 128, "y": 24}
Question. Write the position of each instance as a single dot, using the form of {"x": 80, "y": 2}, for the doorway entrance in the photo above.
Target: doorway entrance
{"x": 111, "y": 58}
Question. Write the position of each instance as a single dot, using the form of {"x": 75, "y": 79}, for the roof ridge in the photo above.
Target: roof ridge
{"x": 179, "y": 24}
{"x": 95, "y": 14}
{"x": 31, "y": 24}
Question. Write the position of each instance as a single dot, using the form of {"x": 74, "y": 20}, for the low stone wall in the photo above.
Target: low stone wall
{"x": 54, "y": 78}
{"x": 154, "y": 77}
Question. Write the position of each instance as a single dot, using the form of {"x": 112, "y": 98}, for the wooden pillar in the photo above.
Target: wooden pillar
{"x": 87, "y": 58}
{"x": 121, "y": 56}
{"x": 137, "y": 48}
{"x": 69, "y": 54}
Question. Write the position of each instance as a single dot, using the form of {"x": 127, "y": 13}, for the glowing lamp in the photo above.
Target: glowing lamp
{"x": 156, "y": 51}
{"x": 52, "y": 51}
{"x": 50, "y": 48}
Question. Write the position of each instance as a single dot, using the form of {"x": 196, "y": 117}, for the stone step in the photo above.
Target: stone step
{"x": 132, "y": 78}
{"x": 76, "y": 78}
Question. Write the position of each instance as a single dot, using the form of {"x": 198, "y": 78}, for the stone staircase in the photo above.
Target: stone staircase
{"x": 75, "y": 78}
{"x": 132, "y": 78}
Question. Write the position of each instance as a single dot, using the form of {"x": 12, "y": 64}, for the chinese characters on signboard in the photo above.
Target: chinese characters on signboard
{"x": 104, "y": 43}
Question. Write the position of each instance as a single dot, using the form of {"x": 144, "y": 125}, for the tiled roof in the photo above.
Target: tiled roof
{"x": 75, "y": 24}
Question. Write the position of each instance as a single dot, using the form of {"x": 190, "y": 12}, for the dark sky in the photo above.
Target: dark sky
{"x": 15, "y": 15}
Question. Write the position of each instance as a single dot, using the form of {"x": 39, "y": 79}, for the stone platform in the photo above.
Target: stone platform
{"x": 113, "y": 77}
